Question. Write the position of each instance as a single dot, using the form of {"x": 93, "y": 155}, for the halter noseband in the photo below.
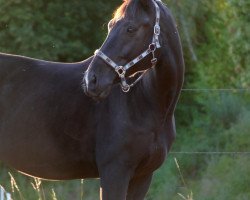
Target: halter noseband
{"x": 121, "y": 70}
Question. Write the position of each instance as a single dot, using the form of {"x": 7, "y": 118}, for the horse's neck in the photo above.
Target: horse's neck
{"x": 162, "y": 85}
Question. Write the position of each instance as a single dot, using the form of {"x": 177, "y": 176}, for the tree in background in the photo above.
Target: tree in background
{"x": 216, "y": 43}
{"x": 55, "y": 30}
{"x": 215, "y": 38}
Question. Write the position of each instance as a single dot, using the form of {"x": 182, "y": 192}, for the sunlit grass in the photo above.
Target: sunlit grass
{"x": 188, "y": 197}
{"x": 37, "y": 186}
{"x": 53, "y": 194}
{"x": 189, "y": 193}
{"x": 14, "y": 187}
{"x": 81, "y": 190}
{"x": 22, "y": 187}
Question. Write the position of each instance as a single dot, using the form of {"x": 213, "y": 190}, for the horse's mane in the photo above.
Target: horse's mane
{"x": 121, "y": 10}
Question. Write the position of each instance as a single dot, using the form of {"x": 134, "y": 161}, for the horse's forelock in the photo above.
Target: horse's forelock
{"x": 121, "y": 10}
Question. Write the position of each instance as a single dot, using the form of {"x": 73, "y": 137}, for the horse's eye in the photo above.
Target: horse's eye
{"x": 130, "y": 29}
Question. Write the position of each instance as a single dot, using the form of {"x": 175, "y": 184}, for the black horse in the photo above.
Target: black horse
{"x": 50, "y": 129}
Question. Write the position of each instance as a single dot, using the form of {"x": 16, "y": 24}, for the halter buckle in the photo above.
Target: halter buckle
{"x": 157, "y": 29}
{"x": 120, "y": 71}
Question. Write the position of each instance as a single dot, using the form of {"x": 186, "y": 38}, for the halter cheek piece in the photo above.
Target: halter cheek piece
{"x": 121, "y": 70}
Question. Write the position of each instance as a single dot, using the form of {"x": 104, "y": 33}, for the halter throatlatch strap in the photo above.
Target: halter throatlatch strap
{"x": 121, "y": 70}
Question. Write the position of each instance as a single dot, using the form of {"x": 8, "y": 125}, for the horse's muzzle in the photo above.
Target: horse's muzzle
{"x": 91, "y": 88}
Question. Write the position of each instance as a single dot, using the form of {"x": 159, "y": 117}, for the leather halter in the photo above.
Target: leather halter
{"x": 121, "y": 70}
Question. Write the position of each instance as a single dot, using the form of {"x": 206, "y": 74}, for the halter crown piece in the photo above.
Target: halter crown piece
{"x": 121, "y": 70}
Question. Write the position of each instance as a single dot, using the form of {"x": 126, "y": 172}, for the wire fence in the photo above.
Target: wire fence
{"x": 233, "y": 153}
{"x": 216, "y": 90}
{"x": 210, "y": 153}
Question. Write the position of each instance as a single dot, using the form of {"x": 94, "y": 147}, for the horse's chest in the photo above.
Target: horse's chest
{"x": 155, "y": 153}
{"x": 156, "y": 157}
{"x": 137, "y": 145}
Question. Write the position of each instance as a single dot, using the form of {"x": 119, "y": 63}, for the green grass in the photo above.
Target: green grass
{"x": 22, "y": 187}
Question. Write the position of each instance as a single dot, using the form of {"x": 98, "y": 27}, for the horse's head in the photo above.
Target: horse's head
{"x": 129, "y": 47}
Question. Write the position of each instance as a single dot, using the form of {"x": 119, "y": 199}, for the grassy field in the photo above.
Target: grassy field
{"x": 224, "y": 178}
{"x": 26, "y": 188}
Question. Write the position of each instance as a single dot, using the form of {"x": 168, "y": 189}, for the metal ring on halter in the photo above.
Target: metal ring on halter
{"x": 124, "y": 85}
{"x": 125, "y": 88}
{"x": 152, "y": 47}
{"x": 120, "y": 71}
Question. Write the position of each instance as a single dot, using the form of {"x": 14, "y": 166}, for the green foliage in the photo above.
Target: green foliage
{"x": 54, "y": 30}
{"x": 239, "y": 40}
{"x": 225, "y": 178}
{"x": 224, "y": 108}
{"x": 217, "y": 36}
{"x": 211, "y": 176}
{"x": 237, "y": 138}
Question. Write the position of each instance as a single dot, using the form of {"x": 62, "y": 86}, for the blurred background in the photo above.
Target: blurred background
{"x": 210, "y": 159}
